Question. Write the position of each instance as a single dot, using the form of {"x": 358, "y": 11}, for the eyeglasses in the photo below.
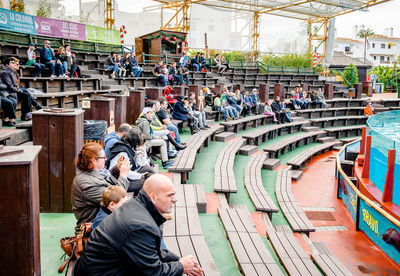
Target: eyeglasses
{"x": 101, "y": 157}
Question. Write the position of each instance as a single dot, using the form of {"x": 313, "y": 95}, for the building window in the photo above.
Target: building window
{"x": 388, "y": 59}
{"x": 383, "y": 46}
{"x": 373, "y": 45}
{"x": 347, "y": 49}
{"x": 382, "y": 58}
{"x": 389, "y": 46}
{"x": 374, "y": 57}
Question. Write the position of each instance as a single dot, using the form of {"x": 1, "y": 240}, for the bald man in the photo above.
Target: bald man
{"x": 128, "y": 241}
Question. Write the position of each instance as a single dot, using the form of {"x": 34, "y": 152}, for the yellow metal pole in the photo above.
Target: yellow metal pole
{"x": 255, "y": 34}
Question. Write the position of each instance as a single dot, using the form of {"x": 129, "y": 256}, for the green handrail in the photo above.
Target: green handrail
{"x": 272, "y": 69}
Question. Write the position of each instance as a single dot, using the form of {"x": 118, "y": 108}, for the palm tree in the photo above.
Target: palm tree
{"x": 365, "y": 33}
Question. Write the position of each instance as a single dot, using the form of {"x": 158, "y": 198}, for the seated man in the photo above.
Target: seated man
{"x": 114, "y": 136}
{"x": 113, "y": 197}
{"x": 32, "y": 61}
{"x": 143, "y": 123}
{"x": 47, "y": 58}
{"x": 203, "y": 62}
{"x": 195, "y": 63}
{"x": 369, "y": 110}
{"x": 129, "y": 240}
{"x": 134, "y": 66}
{"x": 180, "y": 113}
{"x": 184, "y": 72}
{"x": 9, "y": 106}
{"x": 174, "y": 73}
{"x": 184, "y": 60}
{"x": 10, "y": 78}
{"x": 164, "y": 118}
{"x": 111, "y": 64}
{"x": 277, "y": 109}
{"x": 256, "y": 102}
{"x": 158, "y": 72}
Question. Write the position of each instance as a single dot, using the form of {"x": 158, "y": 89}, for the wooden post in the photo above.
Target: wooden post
{"x": 365, "y": 171}
{"x": 328, "y": 92}
{"x": 178, "y": 90}
{"x": 239, "y": 86}
{"x": 61, "y": 136}
{"x": 196, "y": 89}
{"x": 358, "y": 87}
{"x": 100, "y": 108}
{"x": 19, "y": 218}
{"x": 120, "y": 108}
{"x": 153, "y": 93}
{"x": 217, "y": 88}
{"x": 304, "y": 86}
{"x": 279, "y": 91}
{"x": 388, "y": 190}
{"x": 263, "y": 92}
{"x": 134, "y": 106}
{"x": 367, "y": 88}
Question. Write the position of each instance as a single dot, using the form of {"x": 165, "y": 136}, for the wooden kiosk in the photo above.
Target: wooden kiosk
{"x": 163, "y": 43}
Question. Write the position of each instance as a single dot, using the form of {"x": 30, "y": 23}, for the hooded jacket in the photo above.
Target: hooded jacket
{"x": 110, "y": 140}
{"x": 117, "y": 148}
{"x": 144, "y": 125}
{"x": 9, "y": 78}
{"x": 128, "y": 242}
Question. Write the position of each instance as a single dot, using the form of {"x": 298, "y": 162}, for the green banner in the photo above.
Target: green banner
{"x": 102, "y": 35}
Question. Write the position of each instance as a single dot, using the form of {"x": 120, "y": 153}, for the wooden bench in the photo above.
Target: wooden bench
{"x": 339, "y": 121}
{"x": 299, "y": 160}
{"x": 346, "y": 131}
{"x": 254, "y": 185}
{"x": 224, "y": 177}
{"x": 290, "y": 253}
{"x": 269, "y": 132}
{"x": 293, "y": 213}
{"x": 328, "y": 262}
{"x": 5, "y": 135}
{"x": 292, "y": 142}
{"x": 60, "y": 84}
{"x": 184, "y": 162}
{"x": 345, "y": 102}
{"x": 182, "y": 234}
{"x": 250, "y": 252}
{"x": 330, "y": 112}
{"x": 243, "y": 122}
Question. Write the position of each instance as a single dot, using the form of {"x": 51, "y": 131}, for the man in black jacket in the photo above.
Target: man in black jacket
{"x": 277, "y": 109}
{"x": 128, "y": 242}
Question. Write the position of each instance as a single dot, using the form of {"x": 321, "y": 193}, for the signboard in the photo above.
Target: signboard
{"x": 102, "y": 35}
{"x": 349, "y": 196}
{"x": 17, "y": 22}
{"x": 380, "y": 230}
{"x": 60, "y": 28}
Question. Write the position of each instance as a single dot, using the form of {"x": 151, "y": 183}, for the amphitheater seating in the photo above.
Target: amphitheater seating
{"x": 184, "y": 162}
{"x": 224, "y": 177}
{"x": 330, "y": 112}
{"x": 243, "y": 122}
{"x": 254, "y": 185}
{"x": 299, "y": 160}
{"x": 182, "y": 235}
{"x": 251, "y": 254}
{"x": 291, "y": 143}
{"x": 339, "y": 121}
{"x": 328, "y": 262}
{"x": 290, "y": 253}
{"x": 271, "y": 131}
{"x": 293, "y": 213}
{"x": 346, "y": 131}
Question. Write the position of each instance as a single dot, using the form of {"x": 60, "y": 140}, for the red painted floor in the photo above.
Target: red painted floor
{"x": 317, "y": 188}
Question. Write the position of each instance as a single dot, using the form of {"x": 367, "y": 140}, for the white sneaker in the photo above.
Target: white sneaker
{"x": 52, "y": 76}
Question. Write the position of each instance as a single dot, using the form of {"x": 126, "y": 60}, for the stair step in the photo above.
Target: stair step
{"x": 297, "y": 119}
{"x": 271, "y": 164}
{"x": 337, "y": 148}
{"x": 309, "y": 128}
{"x": 248, "y": 150}
{"x": 326, "y": 139}
{"x": 296, "y": 175}
{"x": 224, "y": 136}
{"x": 105, "y": 87}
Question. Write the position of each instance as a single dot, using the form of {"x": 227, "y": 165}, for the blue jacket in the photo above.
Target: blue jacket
{"x": 179, "y": 112}
{"x": 43, "y": 55}
{"x": 231, "y": 100}
{"x": 101, "y": 215}
{"x": 133, "y": 61}
{"x": 109, "y": 141}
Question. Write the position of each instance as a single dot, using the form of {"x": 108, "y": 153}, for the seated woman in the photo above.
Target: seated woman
{"x": 73, "y": 68}
{"x": 92, "y": 179}
{"x": 126, "y": 148}
{"x": 220, "y": 67}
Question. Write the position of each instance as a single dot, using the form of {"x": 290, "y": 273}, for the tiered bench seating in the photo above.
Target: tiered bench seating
{"x": 330, "y": 112}
{"x": 292, "y": 142}
{"x": 293, "y": 213}
{"x": 328, "y": 262}
{"x": 182, "y": 235}
{"x": 339, "y": 121}
{"x": 251, "y": 254}
{"x": 254, "y": 185}
{"x": 271, "y": 131}
{"x": 345, "y": 102}
{"x": 60, "y": 84}
{"x": 243, "y": 122}
{"x": 224, "y": 177}
{"x": 299, "y": 160}
{"x": 290, "y": 253}
{"x": 345, "y": 131}
{"x": 184, "y": 162}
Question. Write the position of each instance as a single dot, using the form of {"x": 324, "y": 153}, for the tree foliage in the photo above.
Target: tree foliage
{"x": 348, "y": 72}
{"x": 44, "y": 9}
{"x": 288, "y": 60}
{"x": 387, "y": 75}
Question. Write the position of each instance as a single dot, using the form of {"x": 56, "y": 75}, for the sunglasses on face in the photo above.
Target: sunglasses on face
{"x": 101, "y": 157}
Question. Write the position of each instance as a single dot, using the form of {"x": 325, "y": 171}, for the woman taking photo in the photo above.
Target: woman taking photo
{"x": 92, "y": 179}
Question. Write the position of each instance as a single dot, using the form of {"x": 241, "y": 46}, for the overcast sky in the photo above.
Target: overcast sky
{"x": 377, "y": 18}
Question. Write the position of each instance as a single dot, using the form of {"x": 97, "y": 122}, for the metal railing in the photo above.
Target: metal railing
{"x": 83, "y": 46}
{"x": 272, "y": 69}
{"x": 148, "y": 58}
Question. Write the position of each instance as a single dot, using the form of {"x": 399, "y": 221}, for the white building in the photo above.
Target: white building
{"x": 381, "y": 49}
